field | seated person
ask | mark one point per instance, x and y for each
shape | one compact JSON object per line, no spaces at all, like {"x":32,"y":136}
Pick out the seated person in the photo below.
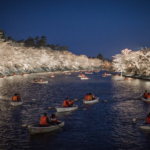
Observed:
{"x":93,"y":96}
{"x":53,"y":119}
{"x":40,"y":80}
{"x":66,"y":103}
{"x":145,"y":94}
{"x":44,"y":121}
{"x":148,"y":119}
{"x":148,"y":95}
{"x":71,"y":103}
{"x":18,"y":97}
{"x":86,"y":97}
{"x":15,"y":98}
{"x":34,"y":80}
{"x":90,"y":96}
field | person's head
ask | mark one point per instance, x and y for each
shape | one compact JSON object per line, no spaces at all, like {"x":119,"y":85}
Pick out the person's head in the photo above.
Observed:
{"x":15,"y":94}
{"x":92,"y":93}
{"x":67,"y":99}
{"x":145,"y":90}
{"x":71,"y":99}
{"x":89,"y":93}
{"x":45,"y":114}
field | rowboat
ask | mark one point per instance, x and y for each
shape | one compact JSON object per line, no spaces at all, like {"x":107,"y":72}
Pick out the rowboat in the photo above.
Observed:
{"x":64,"y":109}
{"x":43,"y":82}
{"x":144,"y":99}
{"x":68,"y":73}
{"x":37,"y":129}
{"x":90,"y":101}
{"x":84,"y":78}
{"x":108,"y":74}
{"x":88,"y":73}
{"x":79,"y":76}
{"x":145,"y":126}
{"x":103,"y":75}
{"x":16,"y":103}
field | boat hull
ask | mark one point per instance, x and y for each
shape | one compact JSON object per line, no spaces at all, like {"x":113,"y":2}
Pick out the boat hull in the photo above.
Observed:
{"x":65,"y":109}
{"x":38,"y":130}
{"x":144,"y":126}
{"x":44,"y":82}
{"x":91,"y":101}
{"x":84,"y":78}
{"x":145,"y":100}
{"x":17,"y":103}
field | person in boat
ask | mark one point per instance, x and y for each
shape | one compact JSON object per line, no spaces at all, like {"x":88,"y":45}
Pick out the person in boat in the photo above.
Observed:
{"x":53,"y":119}
{"x":90,"y":96}
{"x":86,"y":97}
{"x":44,"y":121}
{"x":93,"y":96}
{"x":40,"y":80}
{"x":15,"y":98}
{"x":145,"y":94}
{"x":66,"y":103}
{"x":148,"y":95}
{"x":18,"y":97}
{"x":148,"y":119}
{"x":71,"y":103}
{"x":34,"y":80}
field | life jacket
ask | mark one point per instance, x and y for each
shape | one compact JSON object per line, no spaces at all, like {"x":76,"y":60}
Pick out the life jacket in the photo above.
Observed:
{"x":145,"y":95}
{"x":43,"y":120}
{"x":148,"y":95}
{"x":90,"y":97}
{"x":14,"y":98}
{"x":18,"y":97}
{"x":40,"y":80}
{"x":65,"y":103}
{"x":56,"y":119}
{"x":86,"y":97}
{"x":148,"y":120}
{"x":71,"y":102}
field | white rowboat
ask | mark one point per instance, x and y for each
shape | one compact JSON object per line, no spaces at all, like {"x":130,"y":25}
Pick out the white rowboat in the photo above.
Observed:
{"x":43,"y":82}
{"x":36,"y":129}
{"x":16,"y":103}
{"x":79,"y":76}
{"x":84,"y":78}
{"x":145,"y":126}
{"x":64,"y":109}
{"x":144,"y":99}
{"x":90,"y":101}
{"x":88,"y":73}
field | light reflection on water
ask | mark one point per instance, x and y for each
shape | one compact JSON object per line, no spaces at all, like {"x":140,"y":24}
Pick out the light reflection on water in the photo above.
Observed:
{"x":100,"y":126}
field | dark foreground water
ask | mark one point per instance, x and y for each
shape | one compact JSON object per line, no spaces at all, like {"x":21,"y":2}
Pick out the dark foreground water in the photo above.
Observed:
{"x":101,"y":126}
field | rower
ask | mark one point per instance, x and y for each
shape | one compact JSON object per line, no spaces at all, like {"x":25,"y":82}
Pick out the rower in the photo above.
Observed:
{"x":90,"y":96}
{"x":34,"y":80}
{"x":53,"y":119}
{"x":93,"y":96}
{"x":71,"y":103}
{"x":66,"y":103}
{"x":145,"y":94}
{"x":15,"y":97}
{"x":40,"y":80}
{"x":44,"y":121}
{"x":148,"y":119}
{"x":86,"y":97}
{"x":18,"y":97}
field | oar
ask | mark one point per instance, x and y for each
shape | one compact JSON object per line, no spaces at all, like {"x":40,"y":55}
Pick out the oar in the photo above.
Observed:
{"x":134,"y":119}
{"x":26,"y":125}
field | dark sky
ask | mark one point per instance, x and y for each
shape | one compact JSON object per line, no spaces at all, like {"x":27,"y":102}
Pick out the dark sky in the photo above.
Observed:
{"x":87,"y":27}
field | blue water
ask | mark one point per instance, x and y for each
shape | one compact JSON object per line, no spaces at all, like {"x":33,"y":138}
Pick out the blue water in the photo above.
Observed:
{"x":97,"y":126}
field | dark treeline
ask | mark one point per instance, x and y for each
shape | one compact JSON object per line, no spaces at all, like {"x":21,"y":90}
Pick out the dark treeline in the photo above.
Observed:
{"x":34,"y":42}
{"x":100,"y":56}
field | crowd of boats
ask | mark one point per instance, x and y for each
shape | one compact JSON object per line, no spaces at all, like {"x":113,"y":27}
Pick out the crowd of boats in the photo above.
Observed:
{"x":53,"y":124}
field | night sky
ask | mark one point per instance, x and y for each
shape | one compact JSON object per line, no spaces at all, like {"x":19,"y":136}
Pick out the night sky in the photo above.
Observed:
{"x":87,"y":27}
